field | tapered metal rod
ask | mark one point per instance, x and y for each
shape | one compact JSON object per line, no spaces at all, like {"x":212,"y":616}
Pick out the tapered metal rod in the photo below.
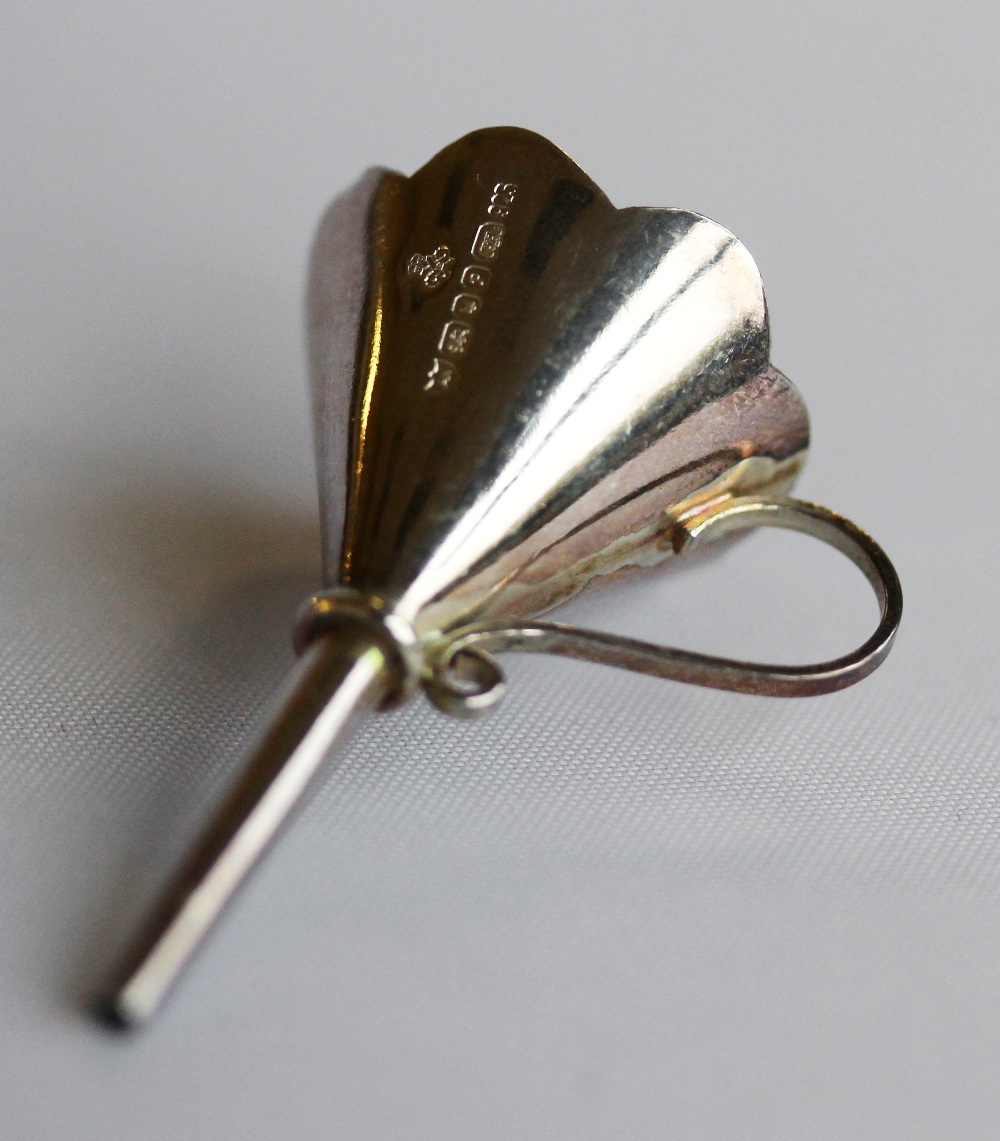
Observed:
{"x":340,"y":676}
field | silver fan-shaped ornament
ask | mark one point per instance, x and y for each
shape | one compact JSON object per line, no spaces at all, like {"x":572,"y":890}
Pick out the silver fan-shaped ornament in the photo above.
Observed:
{"x":518,"y":389}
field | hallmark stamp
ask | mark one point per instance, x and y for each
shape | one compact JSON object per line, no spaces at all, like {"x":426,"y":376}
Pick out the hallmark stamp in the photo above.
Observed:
{"x":431,"y":270}
{"x":476,"y":277}
{"x":488,"y":240}
{"x":466,"y":304}
{"x":455,"y":338}
{"x":502,"y":199}
{"x":440,"y":374}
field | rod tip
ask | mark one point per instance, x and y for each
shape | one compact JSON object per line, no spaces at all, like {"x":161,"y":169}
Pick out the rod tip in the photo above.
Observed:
{"x":112,"y":1012}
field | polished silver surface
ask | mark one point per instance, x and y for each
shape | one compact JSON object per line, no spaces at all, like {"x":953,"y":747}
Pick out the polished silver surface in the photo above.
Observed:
{"x":526,"y":418}
{"x":337,"y":678}
{"x":519,"y":390}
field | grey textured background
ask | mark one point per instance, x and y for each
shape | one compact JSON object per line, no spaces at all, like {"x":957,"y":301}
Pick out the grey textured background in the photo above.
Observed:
{"x":620,"y":908}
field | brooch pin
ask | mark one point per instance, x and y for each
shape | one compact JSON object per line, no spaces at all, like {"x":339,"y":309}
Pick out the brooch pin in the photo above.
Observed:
{"x":518,"y":389}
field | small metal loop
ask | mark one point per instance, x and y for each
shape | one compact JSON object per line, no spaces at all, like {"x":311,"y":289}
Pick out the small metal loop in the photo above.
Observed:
{"x":330,"y":610}
{"x":466,"y":682}
{"x":703,"y":669}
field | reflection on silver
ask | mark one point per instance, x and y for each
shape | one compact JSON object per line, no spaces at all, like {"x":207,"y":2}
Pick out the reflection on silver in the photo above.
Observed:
{"x":518,"y":390}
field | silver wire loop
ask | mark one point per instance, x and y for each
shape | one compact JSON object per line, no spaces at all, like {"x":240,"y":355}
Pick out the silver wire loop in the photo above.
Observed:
{"x":732,"y":514}
{"x":466,"y":683}
{"x":330,"y":610}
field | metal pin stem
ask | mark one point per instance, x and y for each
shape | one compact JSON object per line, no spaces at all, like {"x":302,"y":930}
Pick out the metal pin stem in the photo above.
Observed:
{"x":340,"y":676}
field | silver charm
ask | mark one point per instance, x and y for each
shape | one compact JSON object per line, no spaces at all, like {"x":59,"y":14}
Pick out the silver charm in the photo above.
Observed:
{"x":519,"y":389}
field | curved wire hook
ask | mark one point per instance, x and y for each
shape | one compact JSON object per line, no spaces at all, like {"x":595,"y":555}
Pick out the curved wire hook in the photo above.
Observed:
{"x":466,"y":681}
